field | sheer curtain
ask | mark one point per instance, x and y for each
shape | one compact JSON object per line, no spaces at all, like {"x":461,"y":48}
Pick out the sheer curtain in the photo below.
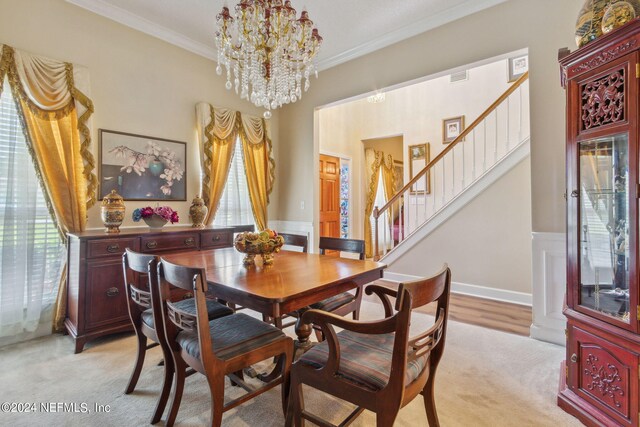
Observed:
{"x":30,"y":247}
{"x":384,"y":233}
{"x":235,"y":205}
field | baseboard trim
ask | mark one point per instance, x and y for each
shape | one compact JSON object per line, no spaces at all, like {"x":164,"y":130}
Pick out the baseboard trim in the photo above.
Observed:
{"x":494,"y":294}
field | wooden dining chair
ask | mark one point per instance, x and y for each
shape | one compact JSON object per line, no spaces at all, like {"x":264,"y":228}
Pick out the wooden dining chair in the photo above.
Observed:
{"x":376,"y":365}
{"x":217,"y":348}
{"x":346,"y":302}
{"x":241,"y":228}
{"x":145,"y":314}
{"x":299,"y":241}
{"x":296,"y":240}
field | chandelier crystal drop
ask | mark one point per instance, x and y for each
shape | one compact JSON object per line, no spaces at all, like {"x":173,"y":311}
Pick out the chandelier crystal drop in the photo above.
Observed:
{"x":266,"y":52}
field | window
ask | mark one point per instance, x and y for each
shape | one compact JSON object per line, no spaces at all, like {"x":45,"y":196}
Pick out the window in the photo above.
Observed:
{"x":235,"y":205}
{"x":30,"y":248}
{"x":344,"y":198}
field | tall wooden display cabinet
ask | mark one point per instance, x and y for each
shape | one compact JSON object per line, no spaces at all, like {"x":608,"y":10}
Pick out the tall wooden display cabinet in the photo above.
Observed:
{"x":599,"y":383}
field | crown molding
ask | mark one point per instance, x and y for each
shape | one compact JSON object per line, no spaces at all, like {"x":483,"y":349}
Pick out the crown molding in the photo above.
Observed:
{"x":141,"y":24}
{"x":467,"y":8}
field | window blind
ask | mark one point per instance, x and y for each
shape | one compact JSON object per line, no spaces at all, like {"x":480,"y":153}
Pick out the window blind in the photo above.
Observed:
{"x":30,"y":248}
{"x":235,"y":205}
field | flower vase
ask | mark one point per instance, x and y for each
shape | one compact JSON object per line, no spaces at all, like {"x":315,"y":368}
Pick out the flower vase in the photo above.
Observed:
{"x":156,"y":167}
{"x":155,"y":222}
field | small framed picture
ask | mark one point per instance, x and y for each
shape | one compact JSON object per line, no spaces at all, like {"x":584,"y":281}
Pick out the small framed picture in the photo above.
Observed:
{"x":518,"y":65}
{"x":142,"y":167}
{"x":419,"y":157}
{"x":452,"y":128}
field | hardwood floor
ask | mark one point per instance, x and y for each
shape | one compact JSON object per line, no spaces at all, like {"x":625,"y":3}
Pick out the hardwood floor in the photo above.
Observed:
{"x":502,"y":316}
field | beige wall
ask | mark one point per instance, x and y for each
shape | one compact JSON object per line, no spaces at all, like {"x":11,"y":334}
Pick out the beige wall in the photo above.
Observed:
{"x":416,"y":112}
{"x":487,"y":243}
{"x":542,"y":26}
{"x":139,"y":84}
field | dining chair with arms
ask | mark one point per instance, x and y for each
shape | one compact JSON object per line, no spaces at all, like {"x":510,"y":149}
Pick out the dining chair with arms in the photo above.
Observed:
{"x":217,"y":348}
{"x":376,"y":365}
{"x":144,"y":311}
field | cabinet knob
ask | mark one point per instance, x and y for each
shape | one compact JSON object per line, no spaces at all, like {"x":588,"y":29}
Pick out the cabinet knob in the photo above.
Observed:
{"x":216,"y":238}
{"x":152,"y":245}
{"x":575,"y":194}
{"x":189,"y":242}
{"x":113,"y":248}
{"x":112,"y":292}
{"x":574,"y":358}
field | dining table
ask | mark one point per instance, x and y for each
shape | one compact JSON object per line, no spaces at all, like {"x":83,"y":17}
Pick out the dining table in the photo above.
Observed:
{"x":291,"y":284}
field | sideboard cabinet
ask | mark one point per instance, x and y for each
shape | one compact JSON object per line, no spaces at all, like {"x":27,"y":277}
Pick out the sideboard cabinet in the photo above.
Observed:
{"x":599,"y":383}
{"x":96,"y":299}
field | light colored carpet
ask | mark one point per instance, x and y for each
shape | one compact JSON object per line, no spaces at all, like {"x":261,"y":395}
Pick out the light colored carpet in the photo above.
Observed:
{"x":486,"y":378}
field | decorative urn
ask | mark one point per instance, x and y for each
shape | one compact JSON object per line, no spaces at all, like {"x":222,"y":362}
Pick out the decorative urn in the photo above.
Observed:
{"x":112,"y":212}
{"x":618,"y":14}
{"x":264,"y":243}
{"x":198,"y":212}
{"x":589,"y":23}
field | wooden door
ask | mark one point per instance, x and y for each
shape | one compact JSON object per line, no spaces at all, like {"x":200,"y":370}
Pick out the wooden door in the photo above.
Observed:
{"x":329,"y":196}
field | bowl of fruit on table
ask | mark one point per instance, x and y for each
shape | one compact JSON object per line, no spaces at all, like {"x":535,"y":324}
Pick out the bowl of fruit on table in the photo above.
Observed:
{"x":264,"y":243}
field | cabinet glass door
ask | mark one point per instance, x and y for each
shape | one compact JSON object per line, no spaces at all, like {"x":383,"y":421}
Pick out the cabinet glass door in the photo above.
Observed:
{"x":604,"y":225}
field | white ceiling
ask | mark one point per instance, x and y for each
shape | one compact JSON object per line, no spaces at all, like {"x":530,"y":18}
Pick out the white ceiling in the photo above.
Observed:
{"x":350,"y":28}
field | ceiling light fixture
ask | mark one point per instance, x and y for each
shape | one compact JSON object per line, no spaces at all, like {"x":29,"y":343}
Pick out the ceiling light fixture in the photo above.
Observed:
{"x":269,"y":51}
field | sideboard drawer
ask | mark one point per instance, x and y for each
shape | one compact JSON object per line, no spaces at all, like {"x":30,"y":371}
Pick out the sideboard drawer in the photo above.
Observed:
{"x":170,"y":242}
{"x":110,"y":247}
{"x":215,"y":239}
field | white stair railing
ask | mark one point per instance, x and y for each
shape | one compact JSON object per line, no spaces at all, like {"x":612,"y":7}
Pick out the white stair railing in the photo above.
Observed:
{"x":498,"y":131}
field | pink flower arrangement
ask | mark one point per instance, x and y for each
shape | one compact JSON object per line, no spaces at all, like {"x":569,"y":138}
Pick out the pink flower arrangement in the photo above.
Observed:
{"x":164,"y":212}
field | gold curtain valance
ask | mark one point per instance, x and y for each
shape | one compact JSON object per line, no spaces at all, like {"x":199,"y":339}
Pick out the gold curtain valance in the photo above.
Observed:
{"x":218,"y":130}
{"x":47,"y":88}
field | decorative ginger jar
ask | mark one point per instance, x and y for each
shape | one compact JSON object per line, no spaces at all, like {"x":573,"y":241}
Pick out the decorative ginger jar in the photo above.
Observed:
{"x":198,"y":212}
{"x":112,"y":212}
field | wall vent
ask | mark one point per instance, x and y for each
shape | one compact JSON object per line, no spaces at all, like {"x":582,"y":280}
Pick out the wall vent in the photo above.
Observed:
{"x":459,"y":76}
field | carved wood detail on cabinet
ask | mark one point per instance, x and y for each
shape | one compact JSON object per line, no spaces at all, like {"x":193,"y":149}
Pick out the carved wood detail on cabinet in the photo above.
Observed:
{"x":603,"y":100}
{"x":96,"y":300}
{"x":605,"y":56}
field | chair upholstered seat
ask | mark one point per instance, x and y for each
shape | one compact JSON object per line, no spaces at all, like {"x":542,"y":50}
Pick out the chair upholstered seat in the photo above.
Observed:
{"x":214,"y":308}
{"x":334,"y":302}
{"x":364,"y":359}
{"x":231,"y":336}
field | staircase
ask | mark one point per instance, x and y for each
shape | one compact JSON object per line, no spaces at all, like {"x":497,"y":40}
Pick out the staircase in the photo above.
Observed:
{"x":494,"y":143}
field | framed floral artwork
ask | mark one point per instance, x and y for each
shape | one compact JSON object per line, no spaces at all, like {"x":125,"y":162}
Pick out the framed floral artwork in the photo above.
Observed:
{"x":419,"y":157}
{"x":142,"y":167}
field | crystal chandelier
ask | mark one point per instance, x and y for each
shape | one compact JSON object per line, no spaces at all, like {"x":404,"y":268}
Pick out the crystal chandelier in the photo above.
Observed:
{"x":269,"y":51}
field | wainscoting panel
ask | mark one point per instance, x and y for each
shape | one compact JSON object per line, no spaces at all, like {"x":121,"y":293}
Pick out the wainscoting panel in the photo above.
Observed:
{"x":548,"y":286}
